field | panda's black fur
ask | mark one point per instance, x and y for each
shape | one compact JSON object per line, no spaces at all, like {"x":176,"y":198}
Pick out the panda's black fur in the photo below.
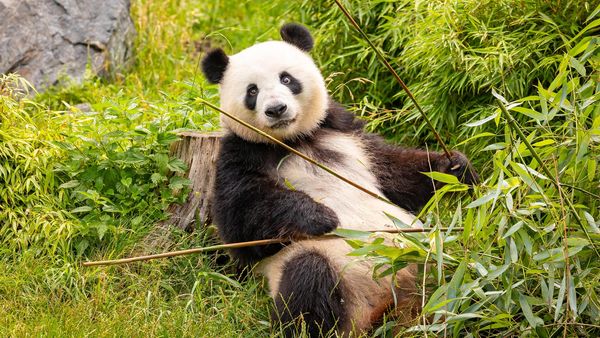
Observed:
{"x":251,"y":202}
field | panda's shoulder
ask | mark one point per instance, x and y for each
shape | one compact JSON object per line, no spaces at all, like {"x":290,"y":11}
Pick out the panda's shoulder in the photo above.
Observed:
{"x":339,"y":118}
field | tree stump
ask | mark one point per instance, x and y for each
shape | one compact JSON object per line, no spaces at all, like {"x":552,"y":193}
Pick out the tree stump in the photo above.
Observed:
{"x":199,"y":151}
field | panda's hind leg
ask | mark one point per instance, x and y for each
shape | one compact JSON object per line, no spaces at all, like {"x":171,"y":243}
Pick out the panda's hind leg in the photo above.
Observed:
{"x":309,"y":291}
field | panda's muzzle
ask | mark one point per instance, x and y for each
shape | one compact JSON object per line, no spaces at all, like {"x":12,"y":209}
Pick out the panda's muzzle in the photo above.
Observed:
{"x":275,"y":111}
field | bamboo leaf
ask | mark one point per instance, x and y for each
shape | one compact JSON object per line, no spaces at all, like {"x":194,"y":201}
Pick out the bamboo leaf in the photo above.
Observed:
{"x":533,"y":320}
{"x":442,"y":177}
{"x":492,"y":195}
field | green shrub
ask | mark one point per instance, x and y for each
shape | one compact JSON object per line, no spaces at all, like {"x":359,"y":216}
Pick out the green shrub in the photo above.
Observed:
{"x":118,"y":171}
{"x":72,"y":179}
{"x":32,"y":210}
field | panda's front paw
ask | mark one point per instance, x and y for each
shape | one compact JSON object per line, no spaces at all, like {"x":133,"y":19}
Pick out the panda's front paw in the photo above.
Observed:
{"x":325,"y":221}
{"x":459,"y":166}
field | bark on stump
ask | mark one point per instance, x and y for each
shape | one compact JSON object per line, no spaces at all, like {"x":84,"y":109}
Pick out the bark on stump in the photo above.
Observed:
{"x":199,"y":151}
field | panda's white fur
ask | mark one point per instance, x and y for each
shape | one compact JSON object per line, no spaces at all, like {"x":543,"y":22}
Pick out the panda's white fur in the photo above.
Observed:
{"x":261,"y":191}
{"x":261,"y":64}
{"x":355,"y":209}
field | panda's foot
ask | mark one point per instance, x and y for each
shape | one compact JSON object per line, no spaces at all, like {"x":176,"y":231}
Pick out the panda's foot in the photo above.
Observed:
{"x":309,"y":294}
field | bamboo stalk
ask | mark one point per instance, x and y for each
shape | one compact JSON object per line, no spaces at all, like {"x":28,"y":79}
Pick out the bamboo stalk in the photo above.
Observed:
{"x":397,"y":77}
{"x":236,"y":246}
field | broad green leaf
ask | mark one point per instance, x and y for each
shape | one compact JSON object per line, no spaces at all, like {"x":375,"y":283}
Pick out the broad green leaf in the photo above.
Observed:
{"x":101,"y":229}
{"x":84,"y":208}
{"x":495,"y":146}
{"x":156,"y":178}
{"x":492,"y":195}
{"x":435,"y":300}
{"x":82,"y":246}
{"x":367,"y":249}
{"x":442,"y":177}
{"x":177,"y":182}
{"x":70,"y":184}
{"x":463,"y":316}
{"x":513,"y":229}
{"x":544,"y":143}
{"x":514,"y":254}
{"x":572,"y":296}
{"x":580,"y":47}
{"x":531,"y":113}
{"x":533,"y":320}
{"x":484,"y":134}
{"x":560,"y":298}
{"x":456,"y":281}
{"x":578,"y":66}
{"x":497,"y":272}
{"x":577,"y":241}
{"x":529,"y":170}
{"x":591,"y":169}
{"x":591,"y":222}
{"x":482,"y":121}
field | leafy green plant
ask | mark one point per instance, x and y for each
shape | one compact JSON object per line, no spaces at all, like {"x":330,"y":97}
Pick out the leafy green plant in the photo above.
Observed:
{"x":32,"y":212}
{"x":450,"y":54}
{"x":528,"y":260}
{"x":72,"y":178}
{"x":118,"y":169}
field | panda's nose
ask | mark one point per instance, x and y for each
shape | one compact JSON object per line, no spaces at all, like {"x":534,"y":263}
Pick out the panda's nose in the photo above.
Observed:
{"x":276,"y":110}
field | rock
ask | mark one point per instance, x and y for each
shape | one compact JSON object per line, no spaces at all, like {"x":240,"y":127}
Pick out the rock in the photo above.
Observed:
{"x":46,"y":40}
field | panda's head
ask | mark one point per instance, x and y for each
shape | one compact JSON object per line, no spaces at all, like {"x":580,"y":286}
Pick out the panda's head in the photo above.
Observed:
{"x":273,"y":85}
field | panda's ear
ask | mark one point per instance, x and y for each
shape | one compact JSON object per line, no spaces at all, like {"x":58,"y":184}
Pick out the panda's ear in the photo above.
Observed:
{"x":214,"y":65}
{"x":297,"y":35}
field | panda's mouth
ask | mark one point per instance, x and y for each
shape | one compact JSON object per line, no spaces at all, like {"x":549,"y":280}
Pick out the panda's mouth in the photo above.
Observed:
{"x":282,"y":124}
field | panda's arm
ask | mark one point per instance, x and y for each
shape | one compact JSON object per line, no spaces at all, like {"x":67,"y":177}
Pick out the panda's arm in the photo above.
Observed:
{"x":399,"y":171}
{"x":249,"y":203}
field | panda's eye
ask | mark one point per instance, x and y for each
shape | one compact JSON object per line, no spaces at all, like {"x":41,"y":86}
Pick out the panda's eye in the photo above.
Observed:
{"x":291,"y":82}
{"x":252,"y":90}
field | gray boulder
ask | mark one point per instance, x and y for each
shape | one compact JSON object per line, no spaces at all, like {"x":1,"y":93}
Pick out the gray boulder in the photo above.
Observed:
{"x":46,"y":41}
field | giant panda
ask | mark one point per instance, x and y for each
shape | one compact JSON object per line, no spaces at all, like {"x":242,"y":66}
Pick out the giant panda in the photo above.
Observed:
{"x":262,"y":191}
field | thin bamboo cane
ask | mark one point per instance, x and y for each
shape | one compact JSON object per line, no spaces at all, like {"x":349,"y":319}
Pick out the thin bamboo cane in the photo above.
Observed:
{"x":397,"y":77}
{"x":236,"y":246}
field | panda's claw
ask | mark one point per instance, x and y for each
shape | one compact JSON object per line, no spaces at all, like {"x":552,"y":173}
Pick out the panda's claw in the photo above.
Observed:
{"x":459,"y":166}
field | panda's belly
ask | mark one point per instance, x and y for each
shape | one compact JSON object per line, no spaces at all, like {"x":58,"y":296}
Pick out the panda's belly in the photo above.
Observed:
{"x":355,"y":209}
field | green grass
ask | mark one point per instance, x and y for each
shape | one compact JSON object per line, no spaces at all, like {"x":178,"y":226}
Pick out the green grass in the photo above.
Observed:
{"x":91,"y":185}
{"x":182,"y":298}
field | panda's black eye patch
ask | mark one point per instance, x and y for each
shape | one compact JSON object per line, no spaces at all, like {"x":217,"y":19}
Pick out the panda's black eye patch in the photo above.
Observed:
{"x":251,"y":95}
{"x":291,"y":82}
